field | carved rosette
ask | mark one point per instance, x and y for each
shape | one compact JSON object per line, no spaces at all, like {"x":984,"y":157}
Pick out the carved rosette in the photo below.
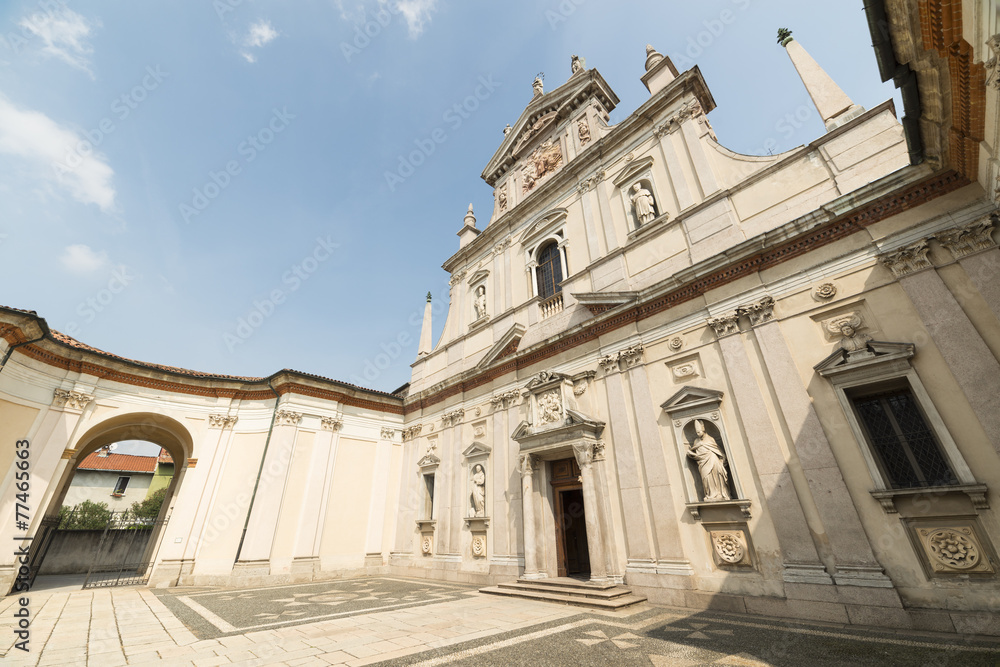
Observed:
{"x":969,"y":239}
{"x":759,"y":312}
{"x":388,"y":433}
{"x":729,"y":546}
{"x":331,"y":423}
{"x":479,"y":546}
{"x":505,"y":399}
{"x":726,"y":325}
{"x":908,"y":259}
{"x":676,"y":343}
{"x":953,"y":548}
{"x":287,"y":417}
{"x":825,"y":291}
{"x":72,"y":400}
{"x":221,"y":421}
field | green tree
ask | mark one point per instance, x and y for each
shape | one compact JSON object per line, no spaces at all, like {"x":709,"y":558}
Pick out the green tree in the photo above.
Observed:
{"x":149,"y":508}
{"x":88,"y":515}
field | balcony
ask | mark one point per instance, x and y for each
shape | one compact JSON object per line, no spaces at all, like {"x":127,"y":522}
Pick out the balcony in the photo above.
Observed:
{"x":552,"y":305}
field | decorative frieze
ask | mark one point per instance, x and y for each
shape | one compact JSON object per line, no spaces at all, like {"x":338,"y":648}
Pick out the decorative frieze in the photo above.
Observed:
{"x":221,"y":421}
{"x":411,"y":432}
{"x":72,"y":400}
{"x":908,"y":259}
{"x":969,"y":239}
{"x":505,"y":399}
{"x":287,"y":417}
{"x":388,"y":433}
{"x":452,"y":418}
{"x":726,"y":325}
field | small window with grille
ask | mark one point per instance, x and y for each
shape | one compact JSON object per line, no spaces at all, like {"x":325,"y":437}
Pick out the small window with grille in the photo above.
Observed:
{"x":907,"y":451}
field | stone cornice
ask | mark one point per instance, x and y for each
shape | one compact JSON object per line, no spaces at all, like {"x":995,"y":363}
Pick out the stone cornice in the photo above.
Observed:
{"x":835,"y":220}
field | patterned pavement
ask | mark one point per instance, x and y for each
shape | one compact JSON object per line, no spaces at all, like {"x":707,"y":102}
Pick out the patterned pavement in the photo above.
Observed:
{"x":395,"y":622}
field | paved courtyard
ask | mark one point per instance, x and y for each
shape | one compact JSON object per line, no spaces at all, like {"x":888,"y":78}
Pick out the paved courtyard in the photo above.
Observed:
{"x":395,"y":621}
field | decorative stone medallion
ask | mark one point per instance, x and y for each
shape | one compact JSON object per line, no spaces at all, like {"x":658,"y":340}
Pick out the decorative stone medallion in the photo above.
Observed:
{"x":675,"y":343}
{"x":550,"y":407}
{"x":952,"y":547}
{"x":825,"y":291}
{"x":426,"y":544}
{"x":729,"y":546}
{"x":479,"y":546}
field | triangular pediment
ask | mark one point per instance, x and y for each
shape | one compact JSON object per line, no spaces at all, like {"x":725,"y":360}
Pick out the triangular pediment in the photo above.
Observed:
{"x":545,"y":112}
{"x":598,"y":302}
{"x":692,"y":397}
{"x":477,"y":449}
{"x":481,"y":274}
{"x":505,"y":345}
{"x":428,"y":461}
{"x":881,"y":352}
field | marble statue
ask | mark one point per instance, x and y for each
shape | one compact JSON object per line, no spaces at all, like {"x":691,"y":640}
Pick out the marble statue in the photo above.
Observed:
{"x":479,"y":305}
{"x":642,"y":199}
{"x":537,"y":85}
{"x":578,"y":64}
{"x":477,"y":498}
{"x":707,"y":453}
{"x":507,"y":130}
{"x":549,"y":407}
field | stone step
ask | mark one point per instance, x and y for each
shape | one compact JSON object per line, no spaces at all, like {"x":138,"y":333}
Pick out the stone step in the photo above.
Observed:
{"x":577,"y":600}
{"x":600,"y":593}
{"x":568,"y":582}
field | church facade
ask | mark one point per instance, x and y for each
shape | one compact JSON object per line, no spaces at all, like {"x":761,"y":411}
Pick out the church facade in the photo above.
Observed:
{"x":755,"y":383}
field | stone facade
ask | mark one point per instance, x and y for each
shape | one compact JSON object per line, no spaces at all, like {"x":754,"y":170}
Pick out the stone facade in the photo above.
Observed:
{"x":664,"y":364}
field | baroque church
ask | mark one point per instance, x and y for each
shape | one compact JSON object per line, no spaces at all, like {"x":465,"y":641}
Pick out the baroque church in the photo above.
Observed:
{"x":669,"y":371}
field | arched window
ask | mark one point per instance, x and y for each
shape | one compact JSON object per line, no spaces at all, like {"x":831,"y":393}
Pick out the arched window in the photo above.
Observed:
{"x":549,"y":272}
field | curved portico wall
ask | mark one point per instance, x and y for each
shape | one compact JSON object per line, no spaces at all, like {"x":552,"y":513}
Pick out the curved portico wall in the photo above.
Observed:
{"x":265,"y":467}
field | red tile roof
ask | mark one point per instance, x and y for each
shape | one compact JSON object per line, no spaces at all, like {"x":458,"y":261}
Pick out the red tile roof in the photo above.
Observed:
{"x":164,"y":456}
{"x":119,"y":463}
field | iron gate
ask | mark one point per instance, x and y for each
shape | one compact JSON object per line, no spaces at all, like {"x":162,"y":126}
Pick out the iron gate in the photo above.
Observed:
{"x":125,"y":553}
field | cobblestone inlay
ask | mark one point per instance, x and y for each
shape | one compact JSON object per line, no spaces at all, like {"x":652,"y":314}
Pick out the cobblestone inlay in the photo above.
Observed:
{"x":211,"y":613}
{"x":658,"y":638}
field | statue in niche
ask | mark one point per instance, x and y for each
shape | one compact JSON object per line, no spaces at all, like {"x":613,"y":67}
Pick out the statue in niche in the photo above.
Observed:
{"x":645,"y":206}
{"x":583,"y":130}
{"x":479,"y":305}
{"x":854,"y":342}
{"x":711,"y":461}
{"x":477,"y":498}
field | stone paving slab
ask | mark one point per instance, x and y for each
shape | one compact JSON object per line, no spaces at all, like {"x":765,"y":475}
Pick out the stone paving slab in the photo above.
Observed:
{"x":445,"y":624}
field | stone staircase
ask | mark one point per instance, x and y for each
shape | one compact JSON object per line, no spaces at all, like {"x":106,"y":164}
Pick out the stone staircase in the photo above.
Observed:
{"x":565,"y":590}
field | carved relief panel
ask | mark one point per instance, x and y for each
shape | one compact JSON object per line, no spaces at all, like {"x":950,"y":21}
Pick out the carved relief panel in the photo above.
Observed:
{"x":952,"y":547}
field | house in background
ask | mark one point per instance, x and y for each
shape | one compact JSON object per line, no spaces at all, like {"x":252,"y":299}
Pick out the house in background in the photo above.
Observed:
{"x":116,"y":479}
{"x":163,"y":473}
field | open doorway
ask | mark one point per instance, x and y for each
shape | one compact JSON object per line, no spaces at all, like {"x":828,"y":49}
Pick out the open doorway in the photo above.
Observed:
{"x":572,"y":553}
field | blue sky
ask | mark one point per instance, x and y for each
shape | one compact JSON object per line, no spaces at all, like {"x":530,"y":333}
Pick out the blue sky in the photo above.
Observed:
{"x":167,"y":171}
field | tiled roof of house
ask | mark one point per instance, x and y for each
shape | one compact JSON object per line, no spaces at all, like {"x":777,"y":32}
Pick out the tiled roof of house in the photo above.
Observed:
{"x":164,"y":456}
{"x":118,"y":463}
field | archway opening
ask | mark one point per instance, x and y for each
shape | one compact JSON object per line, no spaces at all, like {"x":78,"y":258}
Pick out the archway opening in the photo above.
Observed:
{"x":103,"y":525}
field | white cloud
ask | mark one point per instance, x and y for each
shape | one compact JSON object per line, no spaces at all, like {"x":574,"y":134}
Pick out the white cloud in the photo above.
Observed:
{"x":58,"y":154}
{"x":416,"y":13}
{"x":260,"y":34}
{"x":65,"y":35}
{"x":81,"y":259}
